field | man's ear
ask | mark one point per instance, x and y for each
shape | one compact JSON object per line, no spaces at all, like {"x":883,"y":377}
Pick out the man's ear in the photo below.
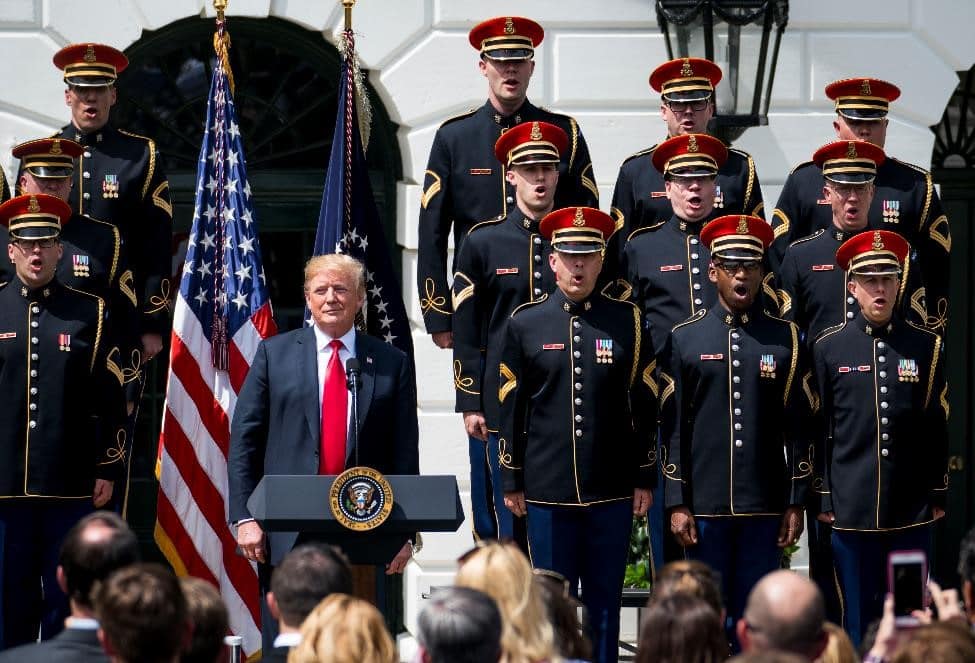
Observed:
{"x":106,"y":643}
{"x":62,"y":581}
{"x":741,"y":630}
{"x":272,"y":605}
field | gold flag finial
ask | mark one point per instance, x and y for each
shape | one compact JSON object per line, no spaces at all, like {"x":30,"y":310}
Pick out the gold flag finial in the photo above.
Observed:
{"x":348,"y":4}
{"x":220,"y":6}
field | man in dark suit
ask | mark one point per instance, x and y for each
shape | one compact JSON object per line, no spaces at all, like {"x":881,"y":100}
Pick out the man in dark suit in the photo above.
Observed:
{"x":99,"y":544}
{"x":295,"y":378}
{"x":305,"y":577}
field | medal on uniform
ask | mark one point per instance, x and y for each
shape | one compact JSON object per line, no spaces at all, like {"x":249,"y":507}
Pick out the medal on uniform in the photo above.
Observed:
{"x":907,"y":370}
{"x":892,"y":211}
{"x":110,"y":186}
{"x":64,"y":342}
{"x":604,"y":351}
{"x":766,"y":366}
{"x":718,"y":197}
{"x":82,"y":267}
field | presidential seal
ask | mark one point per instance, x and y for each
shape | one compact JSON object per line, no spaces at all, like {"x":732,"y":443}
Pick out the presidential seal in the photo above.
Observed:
{"x":361,"y":498}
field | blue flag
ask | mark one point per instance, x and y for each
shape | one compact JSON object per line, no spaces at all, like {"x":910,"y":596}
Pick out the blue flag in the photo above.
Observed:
{"x":349,"y":223}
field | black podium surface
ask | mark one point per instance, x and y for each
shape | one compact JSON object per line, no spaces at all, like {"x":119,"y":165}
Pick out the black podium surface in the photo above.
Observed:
{"x":300,"y":503}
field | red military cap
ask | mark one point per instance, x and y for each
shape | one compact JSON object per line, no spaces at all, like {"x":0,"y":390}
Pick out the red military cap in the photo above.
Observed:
{"x":737,"y":237}
{"x":690,"y":155}
{"x":849,"y":161}
{"x":507,"y":38}
{"x":873,"y":253}
{"x":686,"y":79}
{"x":90,"y":65}
{"x":531,"y":142}
{"x":48,"y":157}
{"x":862,"y":98}
{"x":577,"y":229}
{"x":34,"y":216}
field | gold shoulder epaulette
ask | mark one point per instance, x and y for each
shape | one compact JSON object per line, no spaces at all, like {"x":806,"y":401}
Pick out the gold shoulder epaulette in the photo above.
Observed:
{"x":652,"y":227}
{"x":459,"y":116}
{"x":529,"y":304}
{"x":487,"y":222}
{"x":804,"y":163}
{"x":808,"y":237}
{"x":694,"y":318}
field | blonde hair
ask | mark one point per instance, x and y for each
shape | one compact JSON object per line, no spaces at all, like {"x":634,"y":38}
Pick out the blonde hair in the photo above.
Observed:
{"x":344,"y":629}
{"x":839,"y":648}
{"x":501,"y":571}
{"x":339,"y":262}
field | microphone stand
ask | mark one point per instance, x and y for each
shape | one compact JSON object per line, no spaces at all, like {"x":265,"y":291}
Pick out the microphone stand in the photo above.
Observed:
{"x":352,"y":372}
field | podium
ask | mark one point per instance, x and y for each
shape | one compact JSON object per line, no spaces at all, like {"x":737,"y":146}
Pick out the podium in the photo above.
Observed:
{"x":300,"y":503}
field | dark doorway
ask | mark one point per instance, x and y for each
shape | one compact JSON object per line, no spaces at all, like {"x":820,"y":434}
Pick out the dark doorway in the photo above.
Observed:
{"x":953,"y":168}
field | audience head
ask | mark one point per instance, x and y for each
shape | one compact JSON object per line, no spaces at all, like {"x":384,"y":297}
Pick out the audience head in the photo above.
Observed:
{"x":344,"y":629}
{"x":306,"y":575}
{"x":97,"y":545}
{"x":501,"y":571}
{"x":459,"y":625}
{"x":564,"y":614}
{"x":690,"y":577}
{"x":210,"y":621}
{"x":839,"y":648}
{"x":142,"y":614}
{"x":681,"y":628}
{"x":768,"y":656}
{"x":966,"y":569}
{"x":785,"y":611}
{"x":943,"y":642}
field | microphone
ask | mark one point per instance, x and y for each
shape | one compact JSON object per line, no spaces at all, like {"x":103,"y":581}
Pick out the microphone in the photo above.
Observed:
{"x":352,"y":373}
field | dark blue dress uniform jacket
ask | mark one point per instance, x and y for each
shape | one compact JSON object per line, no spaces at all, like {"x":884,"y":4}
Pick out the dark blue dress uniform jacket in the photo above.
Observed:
{"x":577,"y":412}
{"x":905,"y":202}
{"x":735,"y":421}
{"x":640,"y":200}
{"x":61,"y":423}
{"x":464,"y":185}
{"x":812,"y":288}
{"x":882,"y":462}
{"x":666,"y":269}
{"x":119,"y":179}
{"x":502,"y":264}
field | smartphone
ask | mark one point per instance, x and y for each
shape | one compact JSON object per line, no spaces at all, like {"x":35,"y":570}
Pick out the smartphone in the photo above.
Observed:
{"x":907,"y":574}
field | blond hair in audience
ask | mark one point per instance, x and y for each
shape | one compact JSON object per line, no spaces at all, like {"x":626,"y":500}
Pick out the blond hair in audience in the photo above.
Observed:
{"x":344,"y":629}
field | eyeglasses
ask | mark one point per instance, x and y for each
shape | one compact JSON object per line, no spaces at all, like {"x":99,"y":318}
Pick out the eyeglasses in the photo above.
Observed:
{"x":682,"y":106}
{"x":731,"y":267}
{"x":27,"y":245}
{"x":685,"y":181}
{"x":846,"y":190}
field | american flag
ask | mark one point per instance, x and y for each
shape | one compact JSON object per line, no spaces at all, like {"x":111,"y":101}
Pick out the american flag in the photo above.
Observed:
{"x":349,"y":223}
{"x":222,"y":313}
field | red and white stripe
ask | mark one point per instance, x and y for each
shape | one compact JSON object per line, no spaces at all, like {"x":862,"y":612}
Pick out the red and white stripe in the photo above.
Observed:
{"x":192,"y":526}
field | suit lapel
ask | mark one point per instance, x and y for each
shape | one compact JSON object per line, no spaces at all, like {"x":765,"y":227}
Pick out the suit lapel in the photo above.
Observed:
{"x":367,"y":380}
{"x":307,"y":368}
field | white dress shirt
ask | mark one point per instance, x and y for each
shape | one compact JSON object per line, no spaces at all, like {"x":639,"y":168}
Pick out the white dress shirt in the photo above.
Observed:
{"x":324,"y":354}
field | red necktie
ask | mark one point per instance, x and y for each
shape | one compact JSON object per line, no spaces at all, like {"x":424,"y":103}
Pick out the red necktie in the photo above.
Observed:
{"x":335,"y":400}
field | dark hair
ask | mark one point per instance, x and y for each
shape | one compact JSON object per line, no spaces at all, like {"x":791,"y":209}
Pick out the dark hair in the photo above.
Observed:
{"x":681,"y":628}
{"x":210,"y":620}
{"x":966,"y":557}
{"x":460,"y":625}
{"x":142,"y":612}
{"x":689,"y":577}
{"x":944,"y":642}
{"x":86,"y":562}
{"x":306,"y":575}
{"x":563,"y":611}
